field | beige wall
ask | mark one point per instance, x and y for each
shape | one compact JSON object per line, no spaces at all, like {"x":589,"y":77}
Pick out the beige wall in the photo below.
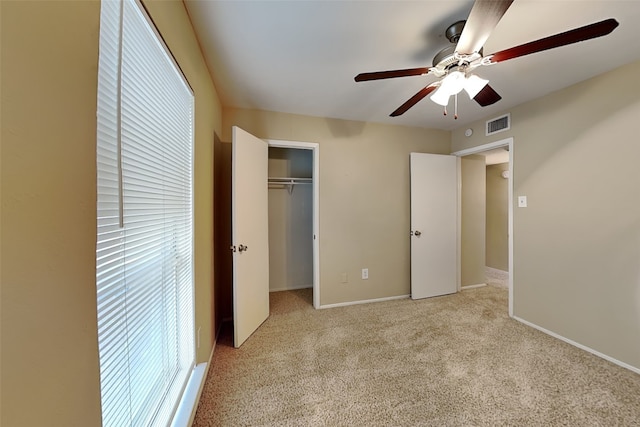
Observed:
{"x":364,"y":196}
{"x":473,"y":202}
{"x":50,"y":368}
{"x":290,"y":221}
{"x":577,"y":244}
{"x":50,"y":371}
{"x":497,"y":244}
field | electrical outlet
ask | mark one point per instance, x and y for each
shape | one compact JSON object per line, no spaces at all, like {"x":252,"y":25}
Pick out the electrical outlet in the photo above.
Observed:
{"x":344,"y":278}
{"x":365,"y":273}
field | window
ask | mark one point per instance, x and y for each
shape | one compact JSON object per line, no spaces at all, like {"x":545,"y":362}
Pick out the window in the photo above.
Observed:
{"x":144,"y":253}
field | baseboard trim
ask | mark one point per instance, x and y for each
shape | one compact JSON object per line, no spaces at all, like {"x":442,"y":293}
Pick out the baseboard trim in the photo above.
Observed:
{"x":479,"y":285}
{"x":366,"y":301}
{"x":291,"y":288}
{"x":580,"y":346}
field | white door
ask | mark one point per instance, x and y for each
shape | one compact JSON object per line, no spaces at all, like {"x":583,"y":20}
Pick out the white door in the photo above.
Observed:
{"x":434,"y":225}
{"x":250,"y":230}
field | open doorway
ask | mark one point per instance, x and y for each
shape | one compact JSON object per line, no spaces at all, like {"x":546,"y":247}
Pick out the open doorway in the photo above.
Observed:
{"x":222,"y":223}
{"x":486,"y":154}
{"x":293,"y":217}
{"x":497,"y":218}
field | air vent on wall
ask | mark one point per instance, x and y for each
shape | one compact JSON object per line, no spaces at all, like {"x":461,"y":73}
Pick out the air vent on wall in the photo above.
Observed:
{"x":498,"y":124}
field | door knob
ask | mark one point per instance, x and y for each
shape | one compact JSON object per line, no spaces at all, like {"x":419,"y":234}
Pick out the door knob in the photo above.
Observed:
{"x":417,"y":233}
{"x":242,"y":248}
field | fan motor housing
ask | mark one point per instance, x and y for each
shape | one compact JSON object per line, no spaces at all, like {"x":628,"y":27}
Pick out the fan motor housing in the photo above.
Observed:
{"x":454,"y":31}
{"x":445,"y":57}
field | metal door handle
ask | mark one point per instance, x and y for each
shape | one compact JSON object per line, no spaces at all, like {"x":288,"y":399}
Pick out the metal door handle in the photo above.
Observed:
{"x":233,"y":248}
{"x":243,"y":248}
{"x":417,"y":233}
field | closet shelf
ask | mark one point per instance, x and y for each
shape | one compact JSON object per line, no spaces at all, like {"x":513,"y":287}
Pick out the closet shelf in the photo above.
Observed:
{"x":289,"y":182}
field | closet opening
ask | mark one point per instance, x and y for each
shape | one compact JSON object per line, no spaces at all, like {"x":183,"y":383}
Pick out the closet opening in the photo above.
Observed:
{"x":293,"y":208}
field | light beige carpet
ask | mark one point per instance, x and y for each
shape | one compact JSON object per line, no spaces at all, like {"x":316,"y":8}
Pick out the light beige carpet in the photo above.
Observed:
{"x":456,"y":360}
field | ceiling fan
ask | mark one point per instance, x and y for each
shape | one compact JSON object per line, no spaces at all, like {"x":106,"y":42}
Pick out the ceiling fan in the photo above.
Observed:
{"x":454,"y":65}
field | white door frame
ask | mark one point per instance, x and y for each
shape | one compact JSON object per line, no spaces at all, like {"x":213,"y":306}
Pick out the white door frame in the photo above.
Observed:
{"x":508,"y":142}
{"x":315,"y":148}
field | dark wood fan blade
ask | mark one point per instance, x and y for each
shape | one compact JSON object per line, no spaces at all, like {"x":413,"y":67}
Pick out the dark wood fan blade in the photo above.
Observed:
{"x":378,"y":75}
{"x":587,"y":32}
{"x":414,"y":99}
{"x":483,"y":18}
{"x":487,"y":96}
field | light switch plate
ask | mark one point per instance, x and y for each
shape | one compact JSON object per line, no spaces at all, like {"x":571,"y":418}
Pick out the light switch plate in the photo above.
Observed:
{"x":522,"y":201}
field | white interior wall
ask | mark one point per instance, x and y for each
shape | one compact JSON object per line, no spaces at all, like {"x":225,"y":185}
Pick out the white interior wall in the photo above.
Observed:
{"x":497,"y":235}
{"x":575,"y":267}
{"x":473,"y":226}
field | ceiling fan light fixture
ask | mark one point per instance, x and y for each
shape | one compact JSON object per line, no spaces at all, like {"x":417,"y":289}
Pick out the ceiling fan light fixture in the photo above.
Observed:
{"x":452,"y":84}
{"x":440,"y":97}
{"x":474,"y":84}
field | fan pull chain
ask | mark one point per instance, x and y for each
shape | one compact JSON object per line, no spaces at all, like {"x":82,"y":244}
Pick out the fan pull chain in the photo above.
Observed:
{"x":455,"y":103}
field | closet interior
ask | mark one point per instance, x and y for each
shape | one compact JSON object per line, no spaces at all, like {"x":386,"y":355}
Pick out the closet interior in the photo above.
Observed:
{"x":290,"y":219}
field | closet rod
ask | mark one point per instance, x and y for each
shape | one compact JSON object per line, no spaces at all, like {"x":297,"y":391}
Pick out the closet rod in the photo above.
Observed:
{"x":289,"y":182}
{"x":274,"y":180}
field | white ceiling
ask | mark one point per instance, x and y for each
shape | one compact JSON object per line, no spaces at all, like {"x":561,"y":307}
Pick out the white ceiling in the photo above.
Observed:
{"x":302,"y":56}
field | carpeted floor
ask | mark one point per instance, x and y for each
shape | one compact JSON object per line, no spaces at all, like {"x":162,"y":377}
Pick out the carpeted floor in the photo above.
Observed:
{"x":456,"y":360}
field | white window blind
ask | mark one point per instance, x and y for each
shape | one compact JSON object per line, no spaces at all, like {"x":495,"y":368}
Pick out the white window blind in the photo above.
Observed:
{"x":144,"y":247}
